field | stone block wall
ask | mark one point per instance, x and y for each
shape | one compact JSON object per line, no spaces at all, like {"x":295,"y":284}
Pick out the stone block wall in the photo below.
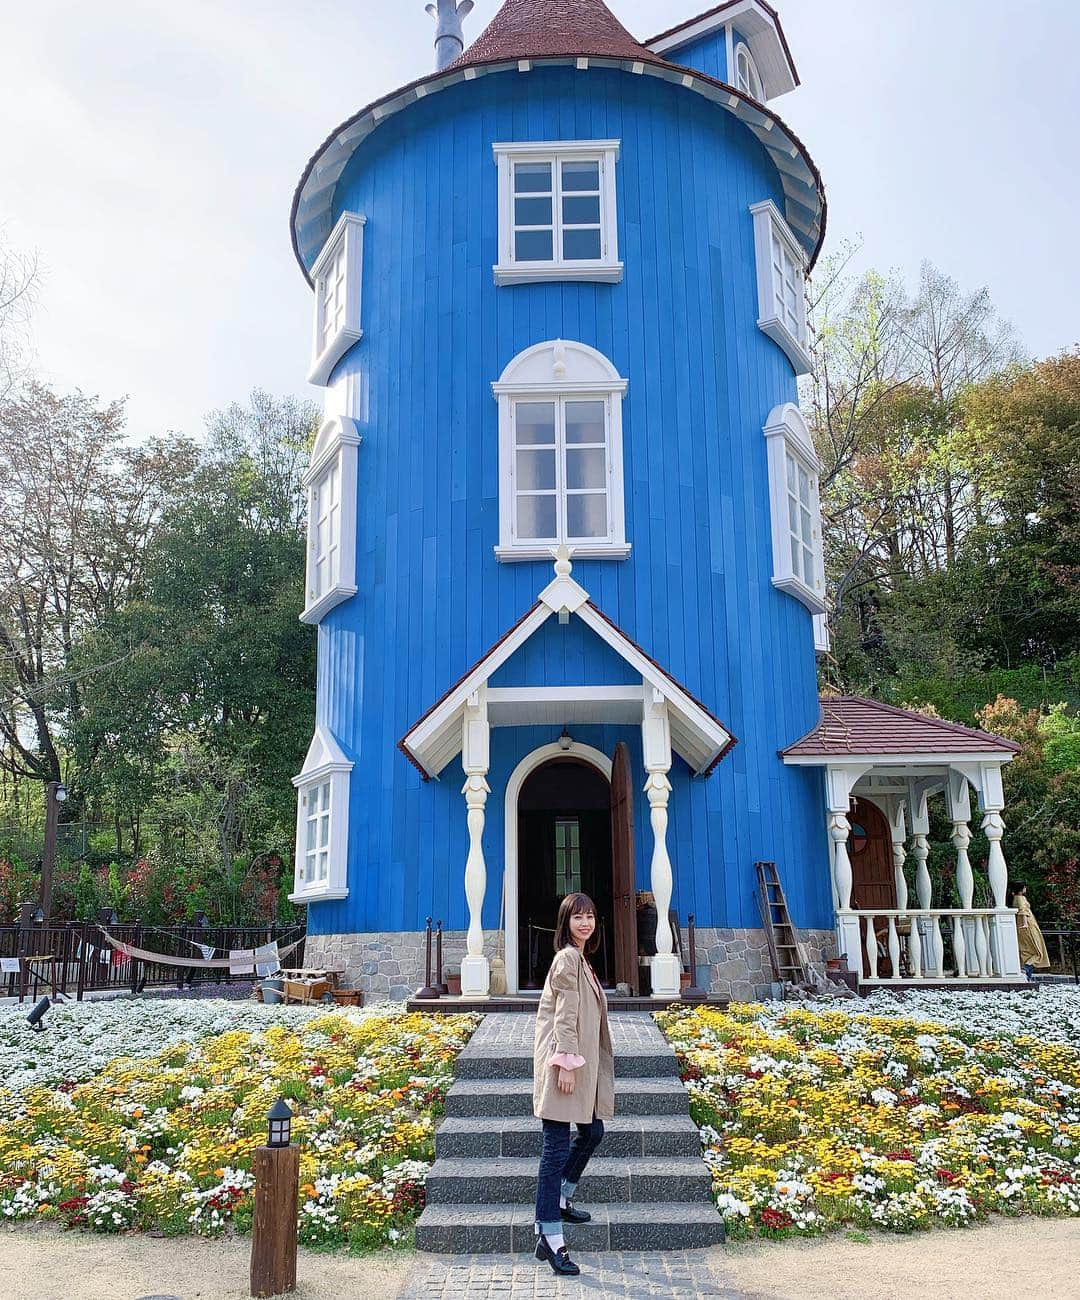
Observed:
{"x":736,"y":962}
{"x":389,"y":965}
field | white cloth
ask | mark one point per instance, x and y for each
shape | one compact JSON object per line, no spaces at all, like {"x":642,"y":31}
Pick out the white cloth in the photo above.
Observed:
{"x":267,"y":960}
{"x":241,"y":961}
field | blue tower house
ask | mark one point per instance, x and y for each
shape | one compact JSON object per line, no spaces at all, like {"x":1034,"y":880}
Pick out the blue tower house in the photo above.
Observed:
{"x":565,"y":548}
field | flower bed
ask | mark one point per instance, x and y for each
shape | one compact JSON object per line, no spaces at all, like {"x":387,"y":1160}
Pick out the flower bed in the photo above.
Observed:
{"x":816,"y":1118}
{"x":162,"y":1139}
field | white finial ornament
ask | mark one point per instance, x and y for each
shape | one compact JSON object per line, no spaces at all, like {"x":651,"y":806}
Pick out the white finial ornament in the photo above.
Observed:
{"x":563,"y":567}
{"x":449,"y":38}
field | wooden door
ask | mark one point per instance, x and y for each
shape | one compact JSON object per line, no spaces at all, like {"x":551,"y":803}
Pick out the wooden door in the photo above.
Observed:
{"x":622,"y":860}
{"x":873,"y":879}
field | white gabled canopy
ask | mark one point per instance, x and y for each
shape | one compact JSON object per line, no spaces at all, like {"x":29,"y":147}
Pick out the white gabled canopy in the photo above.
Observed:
{"x":437,"y":738}
{"x":324,"y":757}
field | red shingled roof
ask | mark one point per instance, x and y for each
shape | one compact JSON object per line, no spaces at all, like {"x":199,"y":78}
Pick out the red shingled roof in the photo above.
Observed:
{"x":852,"y":725}
{"x":534,"y":29}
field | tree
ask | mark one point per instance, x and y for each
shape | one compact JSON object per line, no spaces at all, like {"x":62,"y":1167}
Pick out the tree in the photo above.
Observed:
{"x":80,"y":506}
{"x":214,"y":670}
{"x":20,"y":278}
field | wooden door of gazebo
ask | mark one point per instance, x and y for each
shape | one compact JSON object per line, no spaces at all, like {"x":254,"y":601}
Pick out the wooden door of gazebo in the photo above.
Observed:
{"x":873,"y":880}
{"x":622,"y":863}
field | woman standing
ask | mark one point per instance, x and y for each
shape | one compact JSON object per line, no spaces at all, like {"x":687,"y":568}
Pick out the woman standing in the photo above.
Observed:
{"x":1033,"y":952}
{"x":573,"y":1076}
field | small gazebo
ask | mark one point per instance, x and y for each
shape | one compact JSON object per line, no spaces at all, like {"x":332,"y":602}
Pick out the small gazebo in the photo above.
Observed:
{"x":882,"y":765}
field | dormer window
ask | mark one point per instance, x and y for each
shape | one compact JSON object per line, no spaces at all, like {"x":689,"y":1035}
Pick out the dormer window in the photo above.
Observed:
{"x":795,"y":508}
{"x":557,"y":212}
{"x":337,"y":278}
{"x":781,"y":277}
{"x":322,"y":821}
{"x":560,"y":454}
{"x":746,"y":73}
{"x":331,"y":487}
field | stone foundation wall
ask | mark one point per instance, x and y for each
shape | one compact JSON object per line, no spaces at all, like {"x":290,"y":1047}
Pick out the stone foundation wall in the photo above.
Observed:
{"x":389,"y":965}
{"x":736,"y":962}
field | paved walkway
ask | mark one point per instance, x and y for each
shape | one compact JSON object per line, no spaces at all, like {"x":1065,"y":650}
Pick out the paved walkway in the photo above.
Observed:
{"x":610,"y":1275}
{"x":501,"y":1048}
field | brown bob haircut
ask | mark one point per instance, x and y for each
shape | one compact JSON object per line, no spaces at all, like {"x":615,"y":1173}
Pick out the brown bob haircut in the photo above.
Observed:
{"x":574,"y":905}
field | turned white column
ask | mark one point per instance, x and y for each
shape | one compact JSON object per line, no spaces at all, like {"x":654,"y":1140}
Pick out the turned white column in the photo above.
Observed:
{"x":959,"y":808}
{"x":839,"y":783}
{"x":475,"y":750}
{"x":918,"y":815}
{"x":895,"y":807}
{"x":656,"y":745}
{"x":1004,"y":947}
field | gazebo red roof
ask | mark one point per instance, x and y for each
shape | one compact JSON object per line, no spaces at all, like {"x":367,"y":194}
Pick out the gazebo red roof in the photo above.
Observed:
{"x":853,"y":725}
{"x":535,"y":29}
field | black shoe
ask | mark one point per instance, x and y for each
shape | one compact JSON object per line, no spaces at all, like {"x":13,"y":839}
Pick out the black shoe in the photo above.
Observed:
{"x":559,"y":1260}
{"x":570,"y":1215}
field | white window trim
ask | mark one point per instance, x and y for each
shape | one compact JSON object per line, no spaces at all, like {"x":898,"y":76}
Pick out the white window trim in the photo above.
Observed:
{"x":350,"y":230}
{"x":786,"y":434}
{"x":336,"y":445}
{"x":607,"y":269}
{"x":757,"y":92}
{"x":325,"y":762}
{"x":822,"y":635}
{"x":767,"y":220}
{"x":573,"y":374}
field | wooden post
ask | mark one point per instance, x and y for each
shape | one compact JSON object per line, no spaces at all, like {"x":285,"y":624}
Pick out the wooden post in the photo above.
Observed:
{"x":273,"y":1232}
{"x":440,"y":983}
{"x":693,"y":993}
{"x":26,"y":920}
{"x":429,"y":990}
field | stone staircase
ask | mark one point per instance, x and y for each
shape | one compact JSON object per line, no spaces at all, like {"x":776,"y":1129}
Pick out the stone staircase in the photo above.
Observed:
{"x":647,"y":1188}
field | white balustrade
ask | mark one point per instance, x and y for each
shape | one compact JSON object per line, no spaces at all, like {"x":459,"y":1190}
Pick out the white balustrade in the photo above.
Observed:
{"x":973,"y":930}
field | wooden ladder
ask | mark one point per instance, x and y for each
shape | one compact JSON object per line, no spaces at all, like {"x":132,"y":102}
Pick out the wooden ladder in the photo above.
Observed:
{"x":787,"y":962}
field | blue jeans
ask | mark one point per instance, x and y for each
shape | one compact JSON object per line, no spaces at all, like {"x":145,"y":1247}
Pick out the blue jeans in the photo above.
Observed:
{"x":561,"y":1168}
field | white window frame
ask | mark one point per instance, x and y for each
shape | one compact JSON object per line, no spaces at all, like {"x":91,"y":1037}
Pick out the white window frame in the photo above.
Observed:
{"x":791,"y":336}
{"x":559,"y":371}
{"x":787,"y":435}
{"x":750,"y":84}
{"x":325,"y":767}
{"x":607,"y":268}
{"x":822,"y":636}
{"x":338,"y":279}
{"x":335,"y":452}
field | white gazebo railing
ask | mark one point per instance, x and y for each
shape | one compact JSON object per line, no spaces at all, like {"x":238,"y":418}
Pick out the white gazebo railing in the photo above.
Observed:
{"x":911,"y":944}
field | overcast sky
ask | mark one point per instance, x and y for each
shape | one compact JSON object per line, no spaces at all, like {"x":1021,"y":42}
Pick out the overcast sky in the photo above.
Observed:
{"x":149,"y":150}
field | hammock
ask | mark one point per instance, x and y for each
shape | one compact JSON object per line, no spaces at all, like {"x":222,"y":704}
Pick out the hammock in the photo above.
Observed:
{"x":247,"y":957}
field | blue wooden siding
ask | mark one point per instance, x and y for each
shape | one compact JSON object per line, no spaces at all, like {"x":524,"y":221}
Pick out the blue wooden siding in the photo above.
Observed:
{"x":707,"y":54}
{"x":695,"y":592}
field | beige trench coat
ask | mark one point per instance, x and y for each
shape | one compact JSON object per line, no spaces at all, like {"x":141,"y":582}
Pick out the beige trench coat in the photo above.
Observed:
{"x":573,"y":1018}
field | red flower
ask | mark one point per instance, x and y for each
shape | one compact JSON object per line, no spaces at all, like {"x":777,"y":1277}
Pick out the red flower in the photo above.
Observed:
{"x":945,"y":1175}
{"x":905,"y":1154}
{"x":776,"y":1219}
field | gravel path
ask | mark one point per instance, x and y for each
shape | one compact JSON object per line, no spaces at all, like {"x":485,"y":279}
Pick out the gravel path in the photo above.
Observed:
{"x":1003,"y":1260}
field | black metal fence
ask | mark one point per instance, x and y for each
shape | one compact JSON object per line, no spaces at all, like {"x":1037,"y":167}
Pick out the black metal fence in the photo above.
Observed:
{"x":74,"y":957}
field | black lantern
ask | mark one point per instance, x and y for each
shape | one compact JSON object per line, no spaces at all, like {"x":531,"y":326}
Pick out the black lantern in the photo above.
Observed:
{"x":39,"y":915}
{"x":279,"y":1122}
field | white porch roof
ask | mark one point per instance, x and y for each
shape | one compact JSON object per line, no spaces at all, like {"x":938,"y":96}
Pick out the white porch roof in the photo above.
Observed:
{"x":437,"y":737}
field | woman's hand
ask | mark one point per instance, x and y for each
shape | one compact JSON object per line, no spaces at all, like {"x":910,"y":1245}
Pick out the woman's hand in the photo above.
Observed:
{"x":566,"y":1081}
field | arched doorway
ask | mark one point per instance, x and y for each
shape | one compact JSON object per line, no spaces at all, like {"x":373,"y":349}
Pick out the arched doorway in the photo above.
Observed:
{"x":873,"y":879}
{"x":564,"y":846}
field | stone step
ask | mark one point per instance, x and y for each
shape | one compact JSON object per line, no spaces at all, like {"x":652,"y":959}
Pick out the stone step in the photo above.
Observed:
{"x":484,"y":1137}
{"x":499,"y":1229}
{"x":502,"y":1096}
{"x":515,"y":1063}
{"x":512,"y":1180}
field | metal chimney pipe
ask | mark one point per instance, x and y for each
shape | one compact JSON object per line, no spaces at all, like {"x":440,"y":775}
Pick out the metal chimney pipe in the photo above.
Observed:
{"x":449,"y":38}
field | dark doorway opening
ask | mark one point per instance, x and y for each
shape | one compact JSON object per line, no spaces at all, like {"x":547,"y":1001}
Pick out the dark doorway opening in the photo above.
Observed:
{"x":564,"y":846}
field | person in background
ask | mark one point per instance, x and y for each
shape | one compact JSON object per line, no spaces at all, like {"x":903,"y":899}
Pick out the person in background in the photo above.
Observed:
{"x":1033,"y":952}
{"x":573,"y":1077}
